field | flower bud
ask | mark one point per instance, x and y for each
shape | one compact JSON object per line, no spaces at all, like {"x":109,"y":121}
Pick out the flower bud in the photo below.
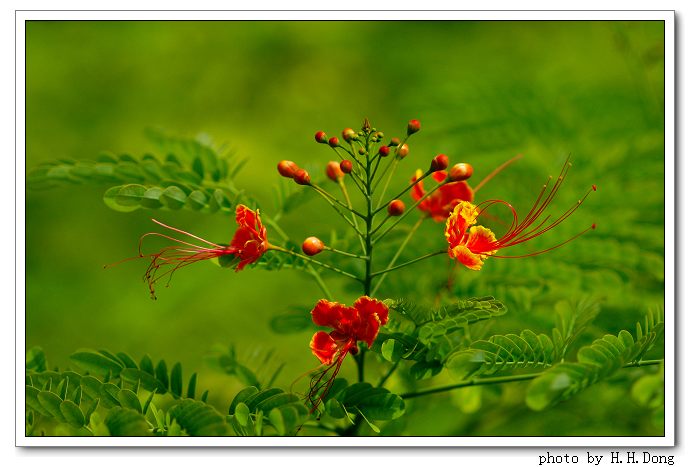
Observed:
{"x":302,"y":177}
{"x":349,"y":134}
{"x":333,"y":171}
{"x":460,"y":171}
{"x":312,"y":246}
{"x":396,"y":207}
{"x":346,"y":166}
{"x":321,"y":137}
{"x":334,"y":142}
{"x":384,"y":151}
{"x":361,"y":151}
{"x":287,"y":168}
{"x":394,"y":142}
{"x":439,"y":162}
{"x":403,"y":151}
{"x":413,"y":126}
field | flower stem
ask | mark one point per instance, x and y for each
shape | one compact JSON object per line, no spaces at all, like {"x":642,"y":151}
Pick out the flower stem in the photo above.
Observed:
{"x":504,"y":379}
{"x":407,"y":188}
{"x":343,"y":188}
{"x":344,"y":253}
{"x":313,"y":261}
{"x":402,"y":265}
{"x":399,"y":252}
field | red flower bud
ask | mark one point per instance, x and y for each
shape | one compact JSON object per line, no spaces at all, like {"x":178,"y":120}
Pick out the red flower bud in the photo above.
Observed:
{"x":413,"y":126}
{"x":321,"y":137}
{"x":302,"y":177}
{"x":333,"y":171}
{"x":460,"y":171}
{"x":384,"y":151}
{"x":439,"y":162}
{"x":334,"y":142}
{"x":346,"y":166}
{"x":287,"y":168}
{"x":394,"y":142}
{"x":403,"y":151}
{"x":396,"y":207}
{"x":348,"y":134}
{"x":312,"y":246}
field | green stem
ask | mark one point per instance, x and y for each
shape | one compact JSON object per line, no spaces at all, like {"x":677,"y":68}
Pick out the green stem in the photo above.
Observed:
{"x":313,"y":261}
{"x":399,"y":252}
{"x":407,"y":188}
{"x":402,"y":265}
{"x":343,"y":188}
{"x":389,"y":373}
{"x":406,"y":213}
{"x":332,"y":198}
{"x":392,"y":166}
{"x":504,"y":379}
{"x":319,"y":280}
{"x":344,"y":253}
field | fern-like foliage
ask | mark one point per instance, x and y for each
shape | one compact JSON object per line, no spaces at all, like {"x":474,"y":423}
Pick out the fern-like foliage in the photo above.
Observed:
{"x":191,"y":174}
{"x":503,"y":353}
{"x":427,"y":335}
{"x":594,"y":363}
{"x":252,"y":410}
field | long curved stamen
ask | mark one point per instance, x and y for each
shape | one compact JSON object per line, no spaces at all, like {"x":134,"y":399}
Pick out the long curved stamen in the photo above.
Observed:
{"x":318,"y":389}
{"x":496,"y":171}
{"x":185,"y":233}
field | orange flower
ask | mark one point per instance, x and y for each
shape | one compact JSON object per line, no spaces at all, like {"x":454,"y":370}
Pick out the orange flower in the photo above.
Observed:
{"x":440,"y":203}
{"x":360,"y":322}
{"x":471,"y":245}
{"x":247,"y":246}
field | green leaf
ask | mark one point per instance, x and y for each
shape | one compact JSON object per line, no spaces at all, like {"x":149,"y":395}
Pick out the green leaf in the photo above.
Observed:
{"x":146,"y":380}
{"x":127,"y":360}
{"x":72,"y":413}
{"x":147,"y":365}
{"x":173,"y":197}
{"x":373,"y":403}
{"x":96,"y":363}
{"x":242,"y":396}
{"x":162,"y":373}
{"x":129,"y":400}
{"x":242,"y":414}
{"x":51,"y":403}
{"x":126,"y":422}
{"x":148,"y":401}
{"x":198,"y":418}
{"x":392,"y":350}
{"x":36,"y":359}
{"x":108,"y":393}
{"x":33,"y":402}
{"x":176,"y":380}
{"x":191,"y":387}
{"x":124,"y":198}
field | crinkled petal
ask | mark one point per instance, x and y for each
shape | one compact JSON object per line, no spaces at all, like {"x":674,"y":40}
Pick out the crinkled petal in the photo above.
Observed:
{"x":323,"y":347}
{"x":244,"y":216}
{"x":481,"y":241}
{"x":439,"y":175}
{"x":466,"y":257}
{"x":418,"y":189}
{"x":373,"y":314}
{"x":463,"y":216}
{"x":327,"y":313}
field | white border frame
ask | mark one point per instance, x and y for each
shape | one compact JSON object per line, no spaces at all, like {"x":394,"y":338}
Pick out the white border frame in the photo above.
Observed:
{"x":669,"y":232}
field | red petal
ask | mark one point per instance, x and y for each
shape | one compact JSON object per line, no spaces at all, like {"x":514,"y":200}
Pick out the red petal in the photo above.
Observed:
{"x":418,"y":189}
{"x":327,"y":313}
{"x":245,"y":216}
{"x":466,"y":257}
{"x":481,"y":241}
{"x":373,"y":314}
{"x":440,"y":175}
{"x":323,"y":347}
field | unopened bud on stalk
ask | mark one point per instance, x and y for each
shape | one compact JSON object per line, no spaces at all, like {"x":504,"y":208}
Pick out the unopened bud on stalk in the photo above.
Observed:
{"x":394,"y":142}
{"x":403,"y":151}
{"x":460,"y":171}
{"x":287,"y":168}
{"x":439,"y":162}
{"x":312,"y":246}
{"x":396,"y":207}
{"x":302,"y":177}
{"x":346,"y":166}
{"x":334,"y":142}
{"x":413,"y":126}
{"x":321,"y":137}
{"x":333,"y":171}
{"x":349,"y":134}
{"x":361,"y":151}
{"x":384,"y":151}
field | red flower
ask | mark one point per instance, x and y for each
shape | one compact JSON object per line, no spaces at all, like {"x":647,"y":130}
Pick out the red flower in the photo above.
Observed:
{"x":471,"y":245}
{"x":247,"y":245}
{"x":440,"y":203}
{"x":360,"y":322}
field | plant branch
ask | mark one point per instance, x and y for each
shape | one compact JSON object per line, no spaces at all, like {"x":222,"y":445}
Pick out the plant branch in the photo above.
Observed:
{"x":402,"y":265}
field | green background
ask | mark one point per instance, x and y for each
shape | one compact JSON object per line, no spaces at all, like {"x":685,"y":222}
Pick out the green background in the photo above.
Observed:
{"x":484,"y":91}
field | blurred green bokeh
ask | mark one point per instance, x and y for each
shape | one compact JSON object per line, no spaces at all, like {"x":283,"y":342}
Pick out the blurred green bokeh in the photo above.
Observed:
{"x":484,"y":91}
